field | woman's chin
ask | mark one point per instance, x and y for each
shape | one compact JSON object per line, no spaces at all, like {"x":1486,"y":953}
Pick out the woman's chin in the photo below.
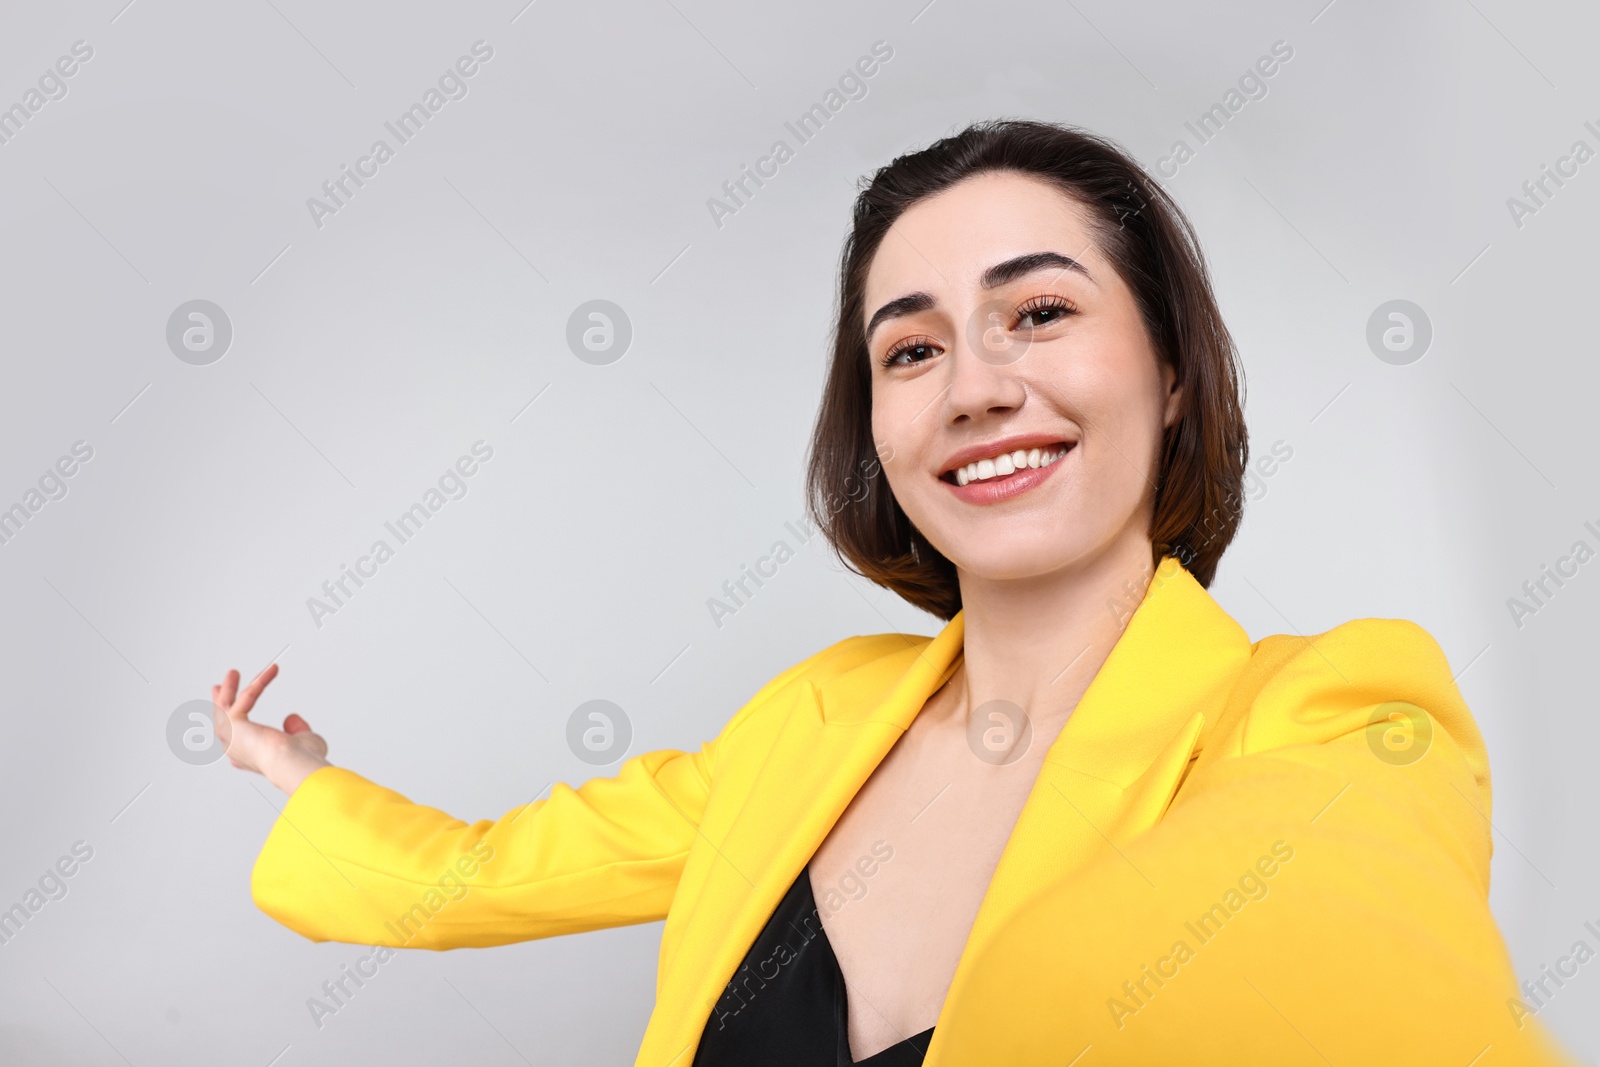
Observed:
{"x":1010,"y":562}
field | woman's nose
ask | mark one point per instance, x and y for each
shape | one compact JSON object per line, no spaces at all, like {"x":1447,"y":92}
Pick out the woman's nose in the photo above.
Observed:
{"x":984,"y":364}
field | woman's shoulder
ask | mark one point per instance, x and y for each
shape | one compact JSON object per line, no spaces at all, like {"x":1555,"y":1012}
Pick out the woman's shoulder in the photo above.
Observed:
{"x":884,"y":655}
{"x":1316,"y":687}
{"x":848,"y":655}
{"x":1365,"y":718}
{"x":1369,"y":645}
{"x":1372,"y":698}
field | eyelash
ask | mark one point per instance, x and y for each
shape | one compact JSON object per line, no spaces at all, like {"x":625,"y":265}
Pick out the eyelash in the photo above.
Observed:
{"x":1041,"y":303}
{"x":1029,"y":307}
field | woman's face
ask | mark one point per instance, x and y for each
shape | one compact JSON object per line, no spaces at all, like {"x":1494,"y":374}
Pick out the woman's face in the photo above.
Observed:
{"x":996,"y":327}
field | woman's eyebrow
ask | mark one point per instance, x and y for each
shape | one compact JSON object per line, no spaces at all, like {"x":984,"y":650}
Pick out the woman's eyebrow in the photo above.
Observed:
{"x":1012,"y":269}
{"x":993,"y":278}
{"x":909,"y":304}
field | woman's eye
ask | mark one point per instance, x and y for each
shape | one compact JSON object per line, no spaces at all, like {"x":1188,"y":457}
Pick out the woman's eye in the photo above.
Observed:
{"x":1036,"y":315}
{"x":904,"y":355}
{"x":1043,"y":316}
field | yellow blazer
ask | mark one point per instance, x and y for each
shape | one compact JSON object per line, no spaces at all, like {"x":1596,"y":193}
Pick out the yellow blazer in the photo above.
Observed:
{"x":1234,"y":853}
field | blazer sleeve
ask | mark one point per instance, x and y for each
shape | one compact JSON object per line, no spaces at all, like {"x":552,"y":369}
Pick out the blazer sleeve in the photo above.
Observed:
{"x":349,"y":860}
{"x":1317,"y":891}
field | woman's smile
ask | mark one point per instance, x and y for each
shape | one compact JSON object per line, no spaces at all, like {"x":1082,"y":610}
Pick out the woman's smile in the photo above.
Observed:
{"x":1003,"y":469}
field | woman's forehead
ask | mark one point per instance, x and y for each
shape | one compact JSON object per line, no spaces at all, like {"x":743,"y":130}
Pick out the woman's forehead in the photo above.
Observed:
{"x":947,"y":241}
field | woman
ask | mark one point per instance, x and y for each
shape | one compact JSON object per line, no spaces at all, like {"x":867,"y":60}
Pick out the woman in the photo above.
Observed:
{"x":1089,"y":817}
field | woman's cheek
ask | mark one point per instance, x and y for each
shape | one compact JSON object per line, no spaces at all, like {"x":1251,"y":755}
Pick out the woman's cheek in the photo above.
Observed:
{"x":889,"y":437}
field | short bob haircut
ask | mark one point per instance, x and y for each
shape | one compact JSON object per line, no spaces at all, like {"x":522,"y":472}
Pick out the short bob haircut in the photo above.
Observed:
{"x":1199,"y":488}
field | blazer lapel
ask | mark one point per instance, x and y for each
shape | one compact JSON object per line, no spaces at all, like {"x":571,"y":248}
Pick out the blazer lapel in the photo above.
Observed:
{"x":1122,"y":754}
{"x":831,"y":741}
{"x":1109,"y":774}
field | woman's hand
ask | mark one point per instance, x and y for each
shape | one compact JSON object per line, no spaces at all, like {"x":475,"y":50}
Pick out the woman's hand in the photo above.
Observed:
{"x":285,"y":757}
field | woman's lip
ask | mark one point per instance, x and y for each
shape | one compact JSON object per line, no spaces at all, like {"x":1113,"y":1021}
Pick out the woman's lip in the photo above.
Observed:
{"x":994,"y":490}
{"x":1005,"y":446}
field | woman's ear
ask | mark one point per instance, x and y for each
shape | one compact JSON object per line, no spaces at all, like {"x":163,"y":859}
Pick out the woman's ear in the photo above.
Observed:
{"x":1174,"y":393}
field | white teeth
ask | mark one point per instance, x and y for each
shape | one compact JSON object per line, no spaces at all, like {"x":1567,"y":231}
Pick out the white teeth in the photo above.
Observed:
{"x":1008,"y":463}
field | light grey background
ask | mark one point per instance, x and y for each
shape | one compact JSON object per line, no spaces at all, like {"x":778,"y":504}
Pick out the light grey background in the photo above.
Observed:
{"x":370,"y":353}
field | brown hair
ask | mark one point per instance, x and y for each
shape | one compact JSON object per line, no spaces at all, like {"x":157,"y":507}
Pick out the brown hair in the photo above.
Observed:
{"x":1199,"y":497}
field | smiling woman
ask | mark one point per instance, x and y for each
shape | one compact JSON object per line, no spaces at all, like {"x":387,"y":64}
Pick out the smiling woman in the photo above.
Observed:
{"x":1033,"y":419}
{"x":1030,"y":315}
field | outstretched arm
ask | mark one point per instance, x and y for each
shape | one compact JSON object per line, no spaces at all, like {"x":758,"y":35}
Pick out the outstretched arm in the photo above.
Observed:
{"x":349,"y":860}
{"x":1316,"y":893}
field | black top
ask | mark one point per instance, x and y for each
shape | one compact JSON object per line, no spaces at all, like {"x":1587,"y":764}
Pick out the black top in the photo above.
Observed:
{"x":786,"y":1006}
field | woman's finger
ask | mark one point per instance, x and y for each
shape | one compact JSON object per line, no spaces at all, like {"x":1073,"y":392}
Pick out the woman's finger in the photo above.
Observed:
{"x":230,"y":688}
{"x":222,"y":725}
{"x":247,"y":699}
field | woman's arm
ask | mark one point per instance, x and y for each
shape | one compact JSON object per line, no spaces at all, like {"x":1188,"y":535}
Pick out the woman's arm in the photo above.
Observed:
{"x":1317,"y":891}
{"x":349,"y":860}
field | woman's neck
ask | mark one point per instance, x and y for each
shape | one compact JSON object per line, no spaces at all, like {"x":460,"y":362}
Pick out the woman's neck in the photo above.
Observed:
{"x":1039,"y":643}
